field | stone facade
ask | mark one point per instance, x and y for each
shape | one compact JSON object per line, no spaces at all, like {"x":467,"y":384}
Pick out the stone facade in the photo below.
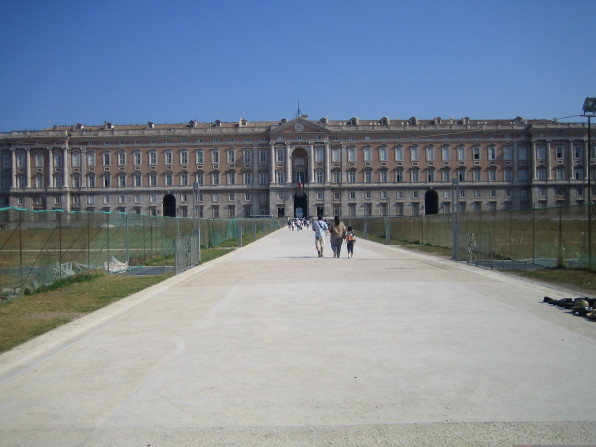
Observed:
{"x":283,"y":168}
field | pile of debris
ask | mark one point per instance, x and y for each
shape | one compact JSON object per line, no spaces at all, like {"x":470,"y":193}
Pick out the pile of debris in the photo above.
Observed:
{"x":583,"y":307}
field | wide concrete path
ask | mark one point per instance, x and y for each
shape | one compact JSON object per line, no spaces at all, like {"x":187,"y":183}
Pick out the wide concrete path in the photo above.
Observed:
{"x":271,"y":345}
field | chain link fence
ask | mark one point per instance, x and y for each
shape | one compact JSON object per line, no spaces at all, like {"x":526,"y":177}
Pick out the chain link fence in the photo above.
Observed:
{"x":39,"y":247}
{"x":549,"y":237}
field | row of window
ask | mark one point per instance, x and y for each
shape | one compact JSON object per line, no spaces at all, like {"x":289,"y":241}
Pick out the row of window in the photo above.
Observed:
{"x":319,"y":155}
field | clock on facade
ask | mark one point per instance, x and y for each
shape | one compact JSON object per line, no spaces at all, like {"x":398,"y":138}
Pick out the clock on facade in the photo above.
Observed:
{"x":299,"y":127}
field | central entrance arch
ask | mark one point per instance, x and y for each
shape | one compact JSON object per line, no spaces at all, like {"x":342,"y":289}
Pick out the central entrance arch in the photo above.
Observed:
{"x":300,"y":204}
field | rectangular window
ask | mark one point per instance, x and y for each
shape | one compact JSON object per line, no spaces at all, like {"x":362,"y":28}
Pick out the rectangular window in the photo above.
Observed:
{"x":492,"y":153}
{"x":541,"y":152}
{"x":200,"y":178}
{"x":352,"y":155}
{"x":476,"y":153}
{"x":280,"y":155}
{"x":106,"y":159}
{"x":121,"y":158}
{"x":476,"y":175}
{"x":445,"y":174}
{"x":247,"y":178}
{"x":336,"y":155}
{"x":231,"y":156}
{"x":336,"y":176}
{"x":507,"y":153}
{"x":107,"y":181}
{"x":399,"y":176}
{"x":91,"y":181}
{"x":319,"y":155}
{"x":215,"y":178}
{"x":169,"y":179}
{"x":352,"y":176}
{"x":152,"y":158}
{"x":367,"y":154}
{"x":383,"y":154}
{"x":560,"y":173}
{"x":414,"y":175}
{"x":383,"y":176}
{"x":523,"y":153}
{"x":523,"y":175}
{"x":184,"y":157}
{"x":137,"y":159}
{"x":215,"y":156}
{"x":76,"y":159}
{"x":399,"y":154}
{"x":168,"y":158}
{"x":153,"y":179}
{"x":367,"y":176}
{"x":461,"y":153}
{"x":414,"y":154}
{"x":200,"y":157}
{"x":263,"y":156}
{"x":430,"y":154}
{"x":246,"y":155}
{"x":122,"y":180}
{"x":507,"y":173}
{"x":320,"y":176}
{"x":184,"y":179}
{"x":559,"y":151}
{"x":138,"y":179}
{"x":352,"y":195}
{"x":58,"y":160}
{"x":430,"y":176}
{"x":445,"y":153}
{"x":492,"y":175}
{"x":263,"y":178}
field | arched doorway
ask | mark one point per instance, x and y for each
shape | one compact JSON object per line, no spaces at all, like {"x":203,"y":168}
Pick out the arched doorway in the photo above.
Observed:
{"x":431,"y":202}
{"x":169,"y":205}
{"x":300,"y":204}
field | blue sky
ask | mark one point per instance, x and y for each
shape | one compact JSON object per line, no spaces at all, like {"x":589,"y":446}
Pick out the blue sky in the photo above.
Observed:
{"x":131,"y":62}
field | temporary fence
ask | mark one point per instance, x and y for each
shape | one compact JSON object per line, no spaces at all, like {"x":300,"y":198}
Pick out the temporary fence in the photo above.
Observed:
{"x":39,"y":247}
{"x":561,"y":236}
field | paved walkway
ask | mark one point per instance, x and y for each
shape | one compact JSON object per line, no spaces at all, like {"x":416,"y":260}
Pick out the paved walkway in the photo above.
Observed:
{"x":271,"y":345}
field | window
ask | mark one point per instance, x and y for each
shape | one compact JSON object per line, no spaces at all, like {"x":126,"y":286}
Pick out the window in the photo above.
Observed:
{"x":414,"y":154}
{"x":39,"y":160}
{"x":559,"y":151}
{"x":367,"y":195}
{"x":336,"y":176}
{"x":336,"y":155}
{"x":247,"y":197}
{"x":107,"y":181}
{"x":383,"y":176}
{"x":168,"y":179}
{"x":382,"y":154}
{"x":152,"y":158}
{"x":247,"y":178}
{"x":540,"y":152}
{"x":578,"y":173}
{"x":399,"y":176}
{"x":541,"y":174}
{"x":137,"y":159}
{"x":507,"y":153}
{"x":184,"y":157}
{"x":320,"y":176}
{"x":184,"y":179}
{"x":560,"y":173}
{"x":476,"y":175}
{"x":477,"y":193}
{"x":200,"y":178}
{"x":246,"y":155}
{"x":58,"y":160}
{"x":461,"y":175}
{"x":232,"y":197}
{"x":152,"y":198}
{"x":523,"y":175}
{"x":352,"y":176}
{"x":320,"y":196}
{"x":21,"y":181}
{"x":414,"y":175}
{"x":215,"y":197}
{"x":445,"y":175}
{"x":153,"y":179}
{"x":231,"y":178}
{"x":122,"y":180}
{"x":200,"y":158}
{"x":461,"y":153}
{"x":352,"y":195}
{"x":215,"y":156}
{"x":215,"y":178}
{"x":430,"y":176}
{"x":280,"y":176}
{"x":367,"y":154}
{"x":263,"y":178}
{"x":76,"y":159}
{"x":578,"y":151}
{"x":319,"y":154}
{"x":91,"y":180}
{"x":352,"y":209}
{"x":507,"y":173}
{"x":121,"y":199}
{"x":280,"y":155}
{"x":168,"y":158}
{"x":352,"y":154}
{"x":399,"y":154}
{"x":492,"y":175}
{"x":90,"y":200}
{"x":492,"y":153}
{"x":523,"y":153}
{"x":368,"y":176}
{"x":263,"y":156}
{"x":121,"y":158}
{"x":430,"y":154}
{"x":542,"y":191}
{"x":476,"y":153}
{"x":20,"y":160}
{"x":231,"y":156}
{"x":106,"y":159}
{"x":445,"y":153}
{"x":138,"y":180}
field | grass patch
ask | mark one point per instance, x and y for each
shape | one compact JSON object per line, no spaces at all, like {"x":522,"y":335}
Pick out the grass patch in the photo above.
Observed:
{"x":31,"y":315}
{"x":577,"y":279}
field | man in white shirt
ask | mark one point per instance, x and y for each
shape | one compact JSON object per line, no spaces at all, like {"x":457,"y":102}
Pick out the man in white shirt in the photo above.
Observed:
{"x":320,"y":228}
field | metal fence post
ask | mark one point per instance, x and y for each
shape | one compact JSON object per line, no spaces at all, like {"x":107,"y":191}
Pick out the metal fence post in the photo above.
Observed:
{"x":108,"y":237}
{"x":239,"y":231}
{"x":59,"y":214}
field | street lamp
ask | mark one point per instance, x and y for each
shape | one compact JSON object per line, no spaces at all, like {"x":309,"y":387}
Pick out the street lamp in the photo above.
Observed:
{"x":589,"y":109}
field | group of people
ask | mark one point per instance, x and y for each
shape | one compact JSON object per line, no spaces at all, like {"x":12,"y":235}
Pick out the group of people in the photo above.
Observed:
{"x":338,"y":234}
{"x":297,"y":224}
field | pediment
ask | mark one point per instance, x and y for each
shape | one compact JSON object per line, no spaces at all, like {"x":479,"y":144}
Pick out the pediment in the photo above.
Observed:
{"x":298,"y":126}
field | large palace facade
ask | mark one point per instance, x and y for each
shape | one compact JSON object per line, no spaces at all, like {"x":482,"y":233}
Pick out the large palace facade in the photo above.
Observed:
{"x":298,"y":167}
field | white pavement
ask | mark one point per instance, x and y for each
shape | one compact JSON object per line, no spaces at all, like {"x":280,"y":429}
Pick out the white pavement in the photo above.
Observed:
{"x":271,"y":345}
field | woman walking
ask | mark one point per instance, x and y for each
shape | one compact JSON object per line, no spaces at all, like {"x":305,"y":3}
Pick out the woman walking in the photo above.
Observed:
{"x":337,"y":231}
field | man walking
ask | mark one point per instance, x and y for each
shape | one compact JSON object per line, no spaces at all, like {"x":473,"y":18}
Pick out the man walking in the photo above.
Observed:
{"x":320,"y":228}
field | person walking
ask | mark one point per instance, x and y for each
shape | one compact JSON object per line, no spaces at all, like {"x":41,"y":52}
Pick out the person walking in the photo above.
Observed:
{"x":350,"y":241}
{"x":338,"y":233}
{"x":320,"y":228}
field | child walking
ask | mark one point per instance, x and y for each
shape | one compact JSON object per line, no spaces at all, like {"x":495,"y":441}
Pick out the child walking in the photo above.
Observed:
{"x":350,"y":241}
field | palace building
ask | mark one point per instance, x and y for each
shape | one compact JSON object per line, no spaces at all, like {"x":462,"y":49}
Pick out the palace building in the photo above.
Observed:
{"x":298,"y":167}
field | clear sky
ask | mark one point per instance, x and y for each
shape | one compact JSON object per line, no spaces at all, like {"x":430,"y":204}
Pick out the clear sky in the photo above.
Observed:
{"x":130,"y":62}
